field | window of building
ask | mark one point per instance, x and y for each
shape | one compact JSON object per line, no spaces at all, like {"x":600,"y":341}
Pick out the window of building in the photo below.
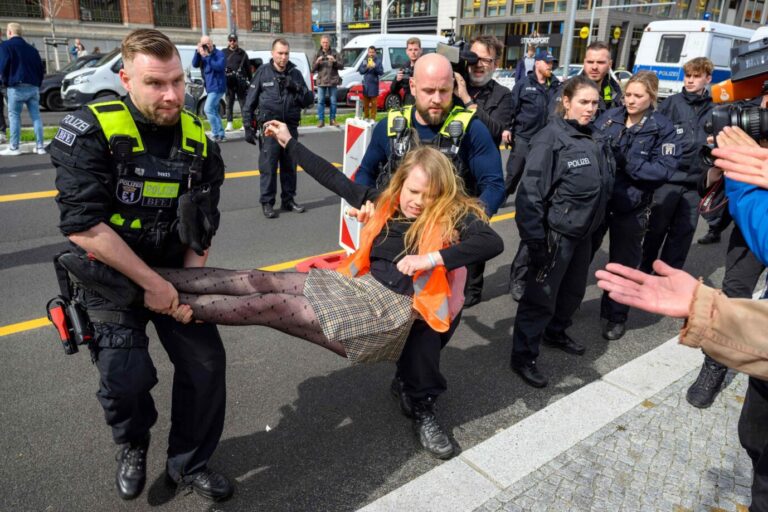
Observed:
{"x":102,"y":11}
{"x":522,"y":6}
{"x":171,"y":13}
{"x":471,"y":8}
{"x":754,"y":11}
{"x":20,"y":9}
{"x":496,"y":7}
{"x":265,"y":16}
{"x":324,"y":11}
{"x":413,"y":8}
{"x":584,"y":4}
{"x":670,"y":48}
{"x":363,"y":10}
{"x":554,"y":6}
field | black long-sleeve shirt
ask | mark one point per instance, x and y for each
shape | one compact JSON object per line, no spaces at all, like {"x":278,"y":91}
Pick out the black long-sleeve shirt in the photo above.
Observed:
{"x":477,"y":240}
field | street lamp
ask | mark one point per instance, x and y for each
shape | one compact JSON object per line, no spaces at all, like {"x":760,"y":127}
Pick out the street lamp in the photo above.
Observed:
{"x":385,"y":16}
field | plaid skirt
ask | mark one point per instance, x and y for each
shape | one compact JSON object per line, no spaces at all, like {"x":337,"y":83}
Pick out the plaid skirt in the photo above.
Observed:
{"x":369,"y":319}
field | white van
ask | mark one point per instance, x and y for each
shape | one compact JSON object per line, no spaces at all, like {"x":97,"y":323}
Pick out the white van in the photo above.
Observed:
{"x":391,"y":48}
{"x":667,"y":45}
{"x":102,"y":80}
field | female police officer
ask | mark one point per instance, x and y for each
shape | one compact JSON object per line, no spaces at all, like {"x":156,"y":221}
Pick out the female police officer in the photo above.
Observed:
{"x":644,"y":144}
{"x":561,"y":202}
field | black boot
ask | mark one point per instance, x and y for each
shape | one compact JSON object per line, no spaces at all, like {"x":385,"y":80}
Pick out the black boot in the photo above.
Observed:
{"x":712,"y":237}
{"x":614,"y":330}
{"x":703,"y":392}
{"x":292,"y":206}
{"x":207,"y":483}
{"x":269,"y":211}
{"x":563,"y":342}
{"x":396,"y":388}
{"x":429,"y":431}
{"x":132,"y":469}
{"x":529,"y":372}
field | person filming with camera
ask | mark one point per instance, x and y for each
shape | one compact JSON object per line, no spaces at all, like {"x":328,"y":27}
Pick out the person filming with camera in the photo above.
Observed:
{"x":212,"y":63}
{"x":403,"y":78}
{"x":327,"y":64}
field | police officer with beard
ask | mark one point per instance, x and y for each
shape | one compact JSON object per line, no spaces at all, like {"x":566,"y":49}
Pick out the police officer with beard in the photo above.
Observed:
{"x":138,"y":185}
{"x":279,"y":93}
{"x":492,"y":104}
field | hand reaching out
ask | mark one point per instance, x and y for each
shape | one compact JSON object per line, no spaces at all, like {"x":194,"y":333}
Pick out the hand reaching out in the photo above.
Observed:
{"x":363,"y":214}
{"x":741,"y":158}
{"x":670,"y":292}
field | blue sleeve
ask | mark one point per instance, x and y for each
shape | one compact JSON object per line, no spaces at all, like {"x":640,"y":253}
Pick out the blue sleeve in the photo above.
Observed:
{"x":363,"y":67}
{"x":379,"y":68}
{"x":217,"y":60}
{"x":748,"y":205}
{"x":376,"y":154}
{"x":484,"y":161}
{"x":196,"y":60}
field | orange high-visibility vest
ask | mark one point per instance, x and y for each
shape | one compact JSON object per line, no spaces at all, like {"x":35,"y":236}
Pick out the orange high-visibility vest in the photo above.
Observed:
{"x":430,"y":287}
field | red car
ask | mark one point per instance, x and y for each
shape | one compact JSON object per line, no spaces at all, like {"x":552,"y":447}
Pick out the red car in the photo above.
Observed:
{"x":387,"y":100}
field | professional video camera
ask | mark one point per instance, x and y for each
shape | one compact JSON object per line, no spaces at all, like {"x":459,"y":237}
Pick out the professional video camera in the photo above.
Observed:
{"x":749,"y":79}
{"x":460,"y":57}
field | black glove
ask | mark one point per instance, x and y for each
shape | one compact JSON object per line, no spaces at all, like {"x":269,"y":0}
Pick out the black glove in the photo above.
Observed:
{"x":538,"y":253}
{"x":250,"y":135}
{"x":290,"y":85}
{"x":195,"y":227}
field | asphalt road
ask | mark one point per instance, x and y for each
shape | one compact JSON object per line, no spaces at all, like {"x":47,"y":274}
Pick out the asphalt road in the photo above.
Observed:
{"x":304,"y":429}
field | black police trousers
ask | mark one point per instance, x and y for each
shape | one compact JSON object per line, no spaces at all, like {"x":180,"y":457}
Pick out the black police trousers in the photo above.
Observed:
{"x":419,"y":364}
{"x":671,"y":227}
{"x":753,"y":436}
{"x":516,"y":164}
{"x":233,"y":93}
{"x":127,"y":375}
{"x":549,"y":305}
{"x":270,"y":156}
{"x":625,"y":246}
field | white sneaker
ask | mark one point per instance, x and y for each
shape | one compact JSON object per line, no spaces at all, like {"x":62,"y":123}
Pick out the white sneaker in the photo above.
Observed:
{"x":229,"y":127}
{"x":41,"y":151}
{"x":10,"y":152}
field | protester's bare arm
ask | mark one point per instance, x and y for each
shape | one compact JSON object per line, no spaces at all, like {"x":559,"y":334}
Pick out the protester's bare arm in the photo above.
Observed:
{"x":279,"y":131}
{"x":670,"y":292}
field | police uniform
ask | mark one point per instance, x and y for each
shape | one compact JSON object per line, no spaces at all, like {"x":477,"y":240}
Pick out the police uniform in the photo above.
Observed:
{"x":136,"y":193}
{"x":674,"y":214}
{"x":478,"y":163}
{"x":561,"y":202}
{"x":278,"y":96}
{"x":531,"y":104}
{"x":646,"y":156}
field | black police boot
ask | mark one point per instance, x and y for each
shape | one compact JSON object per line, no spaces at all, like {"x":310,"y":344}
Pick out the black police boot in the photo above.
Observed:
{"x":614,"y":330}
{"x":207,"y":483}
{"x":396,"y":389}
{"x":429,"y":431}
{"x":712,"y":237}
{"x":269,"y":211}
{"x":703,"y":392}
{"x":564,"y":342}
{"x":529,"y":372}
{"x":132,"y":469}
{"x":292,"y":206}
{"x":102,"y":279}
{"x":472,"y":299}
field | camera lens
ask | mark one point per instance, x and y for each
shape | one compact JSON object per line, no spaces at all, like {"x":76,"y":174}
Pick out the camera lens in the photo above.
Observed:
{"x":753,"y":120}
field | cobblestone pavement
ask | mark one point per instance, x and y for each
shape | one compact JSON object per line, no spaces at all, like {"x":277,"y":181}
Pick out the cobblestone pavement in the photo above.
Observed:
{"x":663,"y":455}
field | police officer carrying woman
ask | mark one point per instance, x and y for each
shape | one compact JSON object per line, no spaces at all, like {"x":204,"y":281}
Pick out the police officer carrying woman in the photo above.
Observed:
{"x":561,"y":202}
{"x":645,"y":146}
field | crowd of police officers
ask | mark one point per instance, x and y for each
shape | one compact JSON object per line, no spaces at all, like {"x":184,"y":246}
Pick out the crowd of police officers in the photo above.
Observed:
{"x":139,"y":183}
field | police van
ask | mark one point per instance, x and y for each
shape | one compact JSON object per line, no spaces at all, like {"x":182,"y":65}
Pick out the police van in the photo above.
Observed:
{"x":667,"y":45}
{"x":391,"y":49}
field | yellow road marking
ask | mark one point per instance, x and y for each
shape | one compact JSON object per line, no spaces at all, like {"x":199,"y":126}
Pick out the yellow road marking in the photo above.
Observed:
{"x":7,"y":330}
{"x":7,"y":198}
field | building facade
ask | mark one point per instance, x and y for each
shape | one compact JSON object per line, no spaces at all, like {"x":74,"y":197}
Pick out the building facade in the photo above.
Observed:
{"x":542,"y":22}
{"x":103,"y":23}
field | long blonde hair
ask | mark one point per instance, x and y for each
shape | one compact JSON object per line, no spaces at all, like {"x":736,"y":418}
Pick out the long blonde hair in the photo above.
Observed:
{"x":448,"y":201}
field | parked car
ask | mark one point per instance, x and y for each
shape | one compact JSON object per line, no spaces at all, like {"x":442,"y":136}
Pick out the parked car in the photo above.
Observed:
{"x":505,"y":77}
{"x":573,"y":70}
{"x":50,"y":89}
{"x":622,"y":76}
{"x":387,"y":99}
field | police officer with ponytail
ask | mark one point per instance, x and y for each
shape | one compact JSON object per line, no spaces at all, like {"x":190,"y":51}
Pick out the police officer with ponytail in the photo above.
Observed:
{"x":138,"y":185}
{"x":647,"y":150}
{"x":561,"y":202}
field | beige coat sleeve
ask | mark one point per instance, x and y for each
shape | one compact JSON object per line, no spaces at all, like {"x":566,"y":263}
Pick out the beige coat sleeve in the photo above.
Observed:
{"x":733,"y":332}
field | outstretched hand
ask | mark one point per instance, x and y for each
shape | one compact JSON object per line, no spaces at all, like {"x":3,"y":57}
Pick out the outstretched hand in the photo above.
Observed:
{"x":278,"y":131}
{"x":669,"y":292}
{"x":741,"y":158}
{"x":363,"y":214}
